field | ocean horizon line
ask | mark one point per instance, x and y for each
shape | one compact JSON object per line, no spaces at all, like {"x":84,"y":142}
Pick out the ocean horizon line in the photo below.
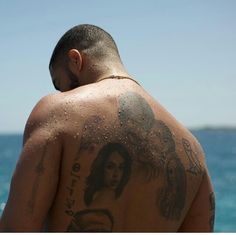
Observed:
{"x":191,"y":128}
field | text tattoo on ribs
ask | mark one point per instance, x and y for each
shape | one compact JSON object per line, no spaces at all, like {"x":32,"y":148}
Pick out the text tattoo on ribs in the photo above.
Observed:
{"x":75,"y":177}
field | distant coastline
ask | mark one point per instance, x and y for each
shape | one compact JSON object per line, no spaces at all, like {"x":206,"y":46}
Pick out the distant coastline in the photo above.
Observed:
{"x":213,"y":128}
{"x":200,"y":128}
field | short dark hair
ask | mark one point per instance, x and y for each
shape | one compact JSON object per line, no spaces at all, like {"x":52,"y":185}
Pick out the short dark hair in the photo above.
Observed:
{"x":85,"y":37}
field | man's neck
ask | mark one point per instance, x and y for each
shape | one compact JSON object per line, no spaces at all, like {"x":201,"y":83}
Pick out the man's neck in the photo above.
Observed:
{"x":100,"y":72}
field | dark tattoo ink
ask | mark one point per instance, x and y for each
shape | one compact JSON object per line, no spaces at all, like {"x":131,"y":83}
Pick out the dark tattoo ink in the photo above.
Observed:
{"x":194,"y":164}
{"x":153,"y":147}
{"x":91,"y":220}
{"x":137,"y":120}
{"x":212,"y":209}
{"x":39,"y":170}
{"x":173,"y":195}
{"x":134,"y":112}
{"x":75,"y":173}
{"x":111,"y":169}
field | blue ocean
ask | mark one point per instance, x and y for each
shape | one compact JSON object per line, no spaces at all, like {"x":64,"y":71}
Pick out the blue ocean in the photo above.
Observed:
{"x":220,"y":149}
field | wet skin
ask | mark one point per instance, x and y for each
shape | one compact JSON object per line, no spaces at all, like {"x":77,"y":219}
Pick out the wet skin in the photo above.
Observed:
{"x":113,"y":140}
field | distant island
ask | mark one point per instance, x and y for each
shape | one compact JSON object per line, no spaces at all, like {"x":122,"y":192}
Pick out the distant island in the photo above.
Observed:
{"x":213,"y":128}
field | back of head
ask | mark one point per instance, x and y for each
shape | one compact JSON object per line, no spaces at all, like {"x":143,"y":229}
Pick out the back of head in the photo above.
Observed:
{"x":90,"y":39}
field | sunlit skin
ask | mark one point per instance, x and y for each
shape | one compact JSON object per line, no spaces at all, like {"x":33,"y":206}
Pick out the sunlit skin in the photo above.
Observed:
{"x":114,"y":170}
{"x":48,"y":189}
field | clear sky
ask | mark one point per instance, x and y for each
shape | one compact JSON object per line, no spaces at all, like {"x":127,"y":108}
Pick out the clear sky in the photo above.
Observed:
{"x":181,"y":51}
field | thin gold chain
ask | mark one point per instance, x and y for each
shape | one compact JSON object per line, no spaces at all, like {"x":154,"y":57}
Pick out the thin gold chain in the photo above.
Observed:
{"x":118,"y":77}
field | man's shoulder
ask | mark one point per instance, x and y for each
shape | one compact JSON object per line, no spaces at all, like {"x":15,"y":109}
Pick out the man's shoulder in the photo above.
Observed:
{"x":46,"y":104}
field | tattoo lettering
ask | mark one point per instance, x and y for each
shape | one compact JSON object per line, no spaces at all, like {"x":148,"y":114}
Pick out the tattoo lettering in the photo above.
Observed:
{"x":70,"y":202}
{"x":212,"y":209}
{"x":110,"y":170}
{"x":91,"y":220}
{"x":173,"y":195}
{"x":194,"y":164}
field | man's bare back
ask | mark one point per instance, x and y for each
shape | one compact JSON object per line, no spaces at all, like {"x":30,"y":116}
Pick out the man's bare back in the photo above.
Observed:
{"x":107,"y":157}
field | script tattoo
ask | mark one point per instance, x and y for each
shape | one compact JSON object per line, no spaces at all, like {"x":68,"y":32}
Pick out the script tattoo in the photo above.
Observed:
{"x":39,"y":170}
{"x":75,"y":178}
{"x":92,"y":220}
{"x":212,"y":209}
{"x":194,"y":164}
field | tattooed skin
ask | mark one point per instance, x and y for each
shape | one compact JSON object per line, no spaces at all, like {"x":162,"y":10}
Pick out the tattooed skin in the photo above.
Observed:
{"x":135,"y":112}
{"x":137,"y":119}
{"x":153,"y":147}
{"x":39,"y":170}
{"x":172,"y":199}
{"x":92,"y":220}
{"x":140,"y":138}
{"x":212,"y":209}
{"x":194,"y":164}
{"x":91,"y":126}
{"x":111,"y":169}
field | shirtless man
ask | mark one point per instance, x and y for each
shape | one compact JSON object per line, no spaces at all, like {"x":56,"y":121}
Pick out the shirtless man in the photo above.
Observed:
{"x":103,"y":155}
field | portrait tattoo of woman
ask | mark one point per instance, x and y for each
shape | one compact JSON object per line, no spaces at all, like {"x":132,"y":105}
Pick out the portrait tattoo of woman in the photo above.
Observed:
{"x":109,"y":171}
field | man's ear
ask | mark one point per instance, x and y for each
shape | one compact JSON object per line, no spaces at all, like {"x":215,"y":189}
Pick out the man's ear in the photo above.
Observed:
{"x":75,"y":59}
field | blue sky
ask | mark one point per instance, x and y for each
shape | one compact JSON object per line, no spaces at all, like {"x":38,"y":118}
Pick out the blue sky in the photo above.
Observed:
{"x":183,"y":52}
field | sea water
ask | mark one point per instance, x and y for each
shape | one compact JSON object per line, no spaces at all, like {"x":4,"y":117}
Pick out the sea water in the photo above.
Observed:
{"x":220,"y":151}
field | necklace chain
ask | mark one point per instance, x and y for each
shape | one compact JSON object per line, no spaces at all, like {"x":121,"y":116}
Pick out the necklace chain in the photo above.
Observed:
{"x":118,"y":77}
